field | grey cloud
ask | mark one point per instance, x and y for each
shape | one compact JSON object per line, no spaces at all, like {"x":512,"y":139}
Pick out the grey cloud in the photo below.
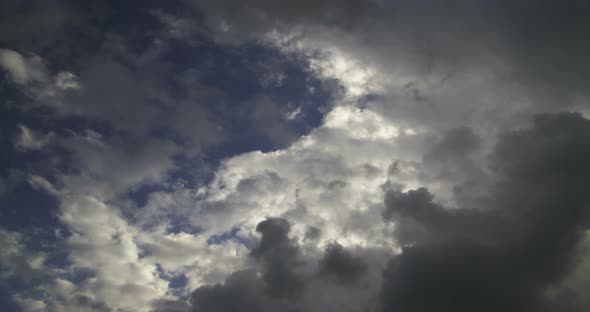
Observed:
{"x":279,"y":257}
{"x":455,"y":143}
{"x":256,"y":17}
{"x":284,"y":279}
{"x":312,"y":233}
{"x":475,"y":67}
{"x":29,"y":139}
{"x":27,"y":23}
{"x":457,"y":158}
{"x":269,"y":120}
{"x":246,"y":290}
{"x":111,"y":165}
{"x":169,"y":305}
{"x":86,"y":302}
{"x":270,"y":181}
{"x":523,"y":239}
{"x":132,"y":99}
{"x":511,"y":252}
{"x":123,"y":88}
{"x":242,"y":291}
{"x":527,"y":55}
{"x":341,"y":264}
{"x":17,"y":259}
{"x":422,"y":220}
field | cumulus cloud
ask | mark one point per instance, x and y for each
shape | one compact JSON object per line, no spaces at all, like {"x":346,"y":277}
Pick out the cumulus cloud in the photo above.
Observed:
{"x":400,"y":167}
{"x":511,"y":252}
{"x":330,"y":179}
{"x":505,"y":254}
{"x":284,"y":278}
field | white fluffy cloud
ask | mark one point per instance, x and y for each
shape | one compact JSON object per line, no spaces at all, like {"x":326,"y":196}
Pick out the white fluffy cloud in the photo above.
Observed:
{"x":130,"y":265}
{"x":103,"y":241}
{"x":332,"y":179}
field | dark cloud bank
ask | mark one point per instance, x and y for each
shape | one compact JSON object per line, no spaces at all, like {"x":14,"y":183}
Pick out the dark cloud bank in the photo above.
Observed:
{"x":510,"y":253}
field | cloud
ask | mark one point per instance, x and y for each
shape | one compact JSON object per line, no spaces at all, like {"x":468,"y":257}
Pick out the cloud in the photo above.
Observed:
{"x":18,"y":260}
{"x":284,"y":277}
{"x":30,"y":305}
{"x":268,"y":119}
{"x":512,"y":252}
{"x":124,"y":260}
{"x":103,"y":242}
{"x":341,"y":264}
{"x":170,"y":306}
{"x":434,"y":64}
{"x":113,"y":165}
{"x":31,"y":77}
{"x":420,"y":180}
{"x":330,"y":179}
{"x":504,"y":254}
{"x":22,"y":70}
{"x":28,"y":139}
{"x":119,"y":126}
{"x":277,"y":256}
{"x":14,"y":64}
{"x":27,"y":24}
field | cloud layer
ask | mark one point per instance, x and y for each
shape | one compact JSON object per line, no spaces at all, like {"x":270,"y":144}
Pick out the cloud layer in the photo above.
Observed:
{"x":510,"y":253}
{"x":299,"y":156}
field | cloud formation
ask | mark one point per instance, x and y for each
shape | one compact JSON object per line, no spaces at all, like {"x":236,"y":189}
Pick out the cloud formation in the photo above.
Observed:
{"x":278,"y":155}
{"x":477,"y":61}
{"x":288,"y":280}
{"x":510,"y":253}
{"x":504,"y":255}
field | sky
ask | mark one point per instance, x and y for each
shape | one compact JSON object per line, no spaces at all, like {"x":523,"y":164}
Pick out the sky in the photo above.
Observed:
{"x":300,"y":156}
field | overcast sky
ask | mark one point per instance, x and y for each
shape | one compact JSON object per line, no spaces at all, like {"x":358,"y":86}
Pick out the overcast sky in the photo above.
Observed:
{"x":299,"y":156}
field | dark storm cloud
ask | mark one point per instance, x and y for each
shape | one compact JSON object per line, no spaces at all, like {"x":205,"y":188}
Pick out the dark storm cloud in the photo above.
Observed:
{"x":503,"y":255}
{"x":275,"y":288}
{"x":422,"y":220}
{"x":242,"y":291}
{"x":283,"y":278}
{"x":341,"y":264}
{"x":279,"y":258}
{"x":170,"y":306}
{"x":455,"y":143}
{"x":457,"y":157}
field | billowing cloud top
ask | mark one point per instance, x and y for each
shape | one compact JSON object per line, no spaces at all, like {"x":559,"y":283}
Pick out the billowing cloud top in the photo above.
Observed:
{"x":300,"y":156}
